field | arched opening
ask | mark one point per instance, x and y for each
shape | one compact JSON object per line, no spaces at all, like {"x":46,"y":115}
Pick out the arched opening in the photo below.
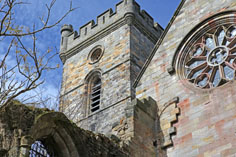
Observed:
{"x":52,"y":134}
{"x":43,"y":148}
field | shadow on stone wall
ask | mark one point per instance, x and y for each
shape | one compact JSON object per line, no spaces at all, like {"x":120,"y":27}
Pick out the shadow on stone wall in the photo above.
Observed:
{"x":167,"y":116}
{"x":162,"y":152}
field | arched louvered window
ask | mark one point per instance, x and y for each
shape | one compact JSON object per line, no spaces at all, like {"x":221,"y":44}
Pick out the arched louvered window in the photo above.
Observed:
{"x":95,"y":92}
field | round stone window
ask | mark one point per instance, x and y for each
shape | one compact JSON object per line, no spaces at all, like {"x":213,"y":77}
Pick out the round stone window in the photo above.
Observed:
{"x":207,"y":59}
{"x":95,"y":54}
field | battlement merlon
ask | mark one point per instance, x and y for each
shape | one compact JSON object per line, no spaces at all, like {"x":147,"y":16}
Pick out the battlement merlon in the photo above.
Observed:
{"x":126,"y":12}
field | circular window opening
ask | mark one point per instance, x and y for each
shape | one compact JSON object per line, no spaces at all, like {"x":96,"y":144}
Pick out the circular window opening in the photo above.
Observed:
{"x":208,"y":59}
{"x":96,"y":54}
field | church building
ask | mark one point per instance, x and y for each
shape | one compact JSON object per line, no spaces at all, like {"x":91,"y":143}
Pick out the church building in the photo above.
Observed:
{"x":132,"y":88}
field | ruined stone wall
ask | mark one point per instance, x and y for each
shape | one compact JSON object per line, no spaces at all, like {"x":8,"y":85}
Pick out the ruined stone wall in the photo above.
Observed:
{"x":15,"y":122}
{"x":74,"y":141}
{"x":21,"y":126}
{"x":206,"y":124}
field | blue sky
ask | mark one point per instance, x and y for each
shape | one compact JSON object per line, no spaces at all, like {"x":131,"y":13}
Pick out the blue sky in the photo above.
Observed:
{"x":160,"y":10}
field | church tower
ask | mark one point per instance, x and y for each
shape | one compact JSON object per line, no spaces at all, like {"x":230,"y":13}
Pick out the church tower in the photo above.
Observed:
{"x":101,"y":63}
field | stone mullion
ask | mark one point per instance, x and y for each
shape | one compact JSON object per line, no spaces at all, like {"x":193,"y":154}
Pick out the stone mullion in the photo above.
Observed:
{"x":221,"y":70}
{"x":213,"y":73}
{"x":25,"y":145}
{"x":215,"y":38}
{"x":232,"y":43}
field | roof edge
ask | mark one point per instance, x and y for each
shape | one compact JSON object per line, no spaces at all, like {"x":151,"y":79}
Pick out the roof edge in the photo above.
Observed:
{"x":157,"y":45}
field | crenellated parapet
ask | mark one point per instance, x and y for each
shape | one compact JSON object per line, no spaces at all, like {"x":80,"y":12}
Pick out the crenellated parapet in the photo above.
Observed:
{"x":126,"y":12}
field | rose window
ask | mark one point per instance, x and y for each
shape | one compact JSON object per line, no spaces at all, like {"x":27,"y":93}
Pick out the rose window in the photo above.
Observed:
{"x":209,"y":58}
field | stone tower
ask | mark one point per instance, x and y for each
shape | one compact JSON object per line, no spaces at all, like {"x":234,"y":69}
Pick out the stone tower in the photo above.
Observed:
{"x":101,"y":63}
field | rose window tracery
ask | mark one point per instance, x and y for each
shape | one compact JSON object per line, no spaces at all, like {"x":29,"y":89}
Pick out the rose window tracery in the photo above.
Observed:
{"x":208,"y":60}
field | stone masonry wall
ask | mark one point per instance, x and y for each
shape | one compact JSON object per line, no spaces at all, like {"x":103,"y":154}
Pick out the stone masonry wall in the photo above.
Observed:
{"x":116,"y":56}
{"x":21,"y":126}
{"x":72,"y":141}
{"x":16,"y":120}
{"x":115,"y":74}
{"x":137,"y":128}
{"x":127,"y":38}
{"x":141,"y":47}
{"x":207,"y":121}
{"x":104,"y":120}
{"x":119,"y":69}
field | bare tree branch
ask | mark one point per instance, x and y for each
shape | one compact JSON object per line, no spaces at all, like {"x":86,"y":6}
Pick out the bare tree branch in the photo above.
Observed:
{"x":5,"y":56}
{"x":8,"y":32}
{"x":30,"y":63}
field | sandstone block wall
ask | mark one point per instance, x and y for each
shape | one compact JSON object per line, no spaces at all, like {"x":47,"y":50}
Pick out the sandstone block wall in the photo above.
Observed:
{"x":206,"y":124}
{"x":115,"y":74}
{"x":137,"y":128}
{"x":140,"y":48}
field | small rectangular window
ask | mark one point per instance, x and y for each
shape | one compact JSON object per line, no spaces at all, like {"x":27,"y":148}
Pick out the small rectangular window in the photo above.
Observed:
{"x":103,"y":19}
{"x":85,"y":31}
